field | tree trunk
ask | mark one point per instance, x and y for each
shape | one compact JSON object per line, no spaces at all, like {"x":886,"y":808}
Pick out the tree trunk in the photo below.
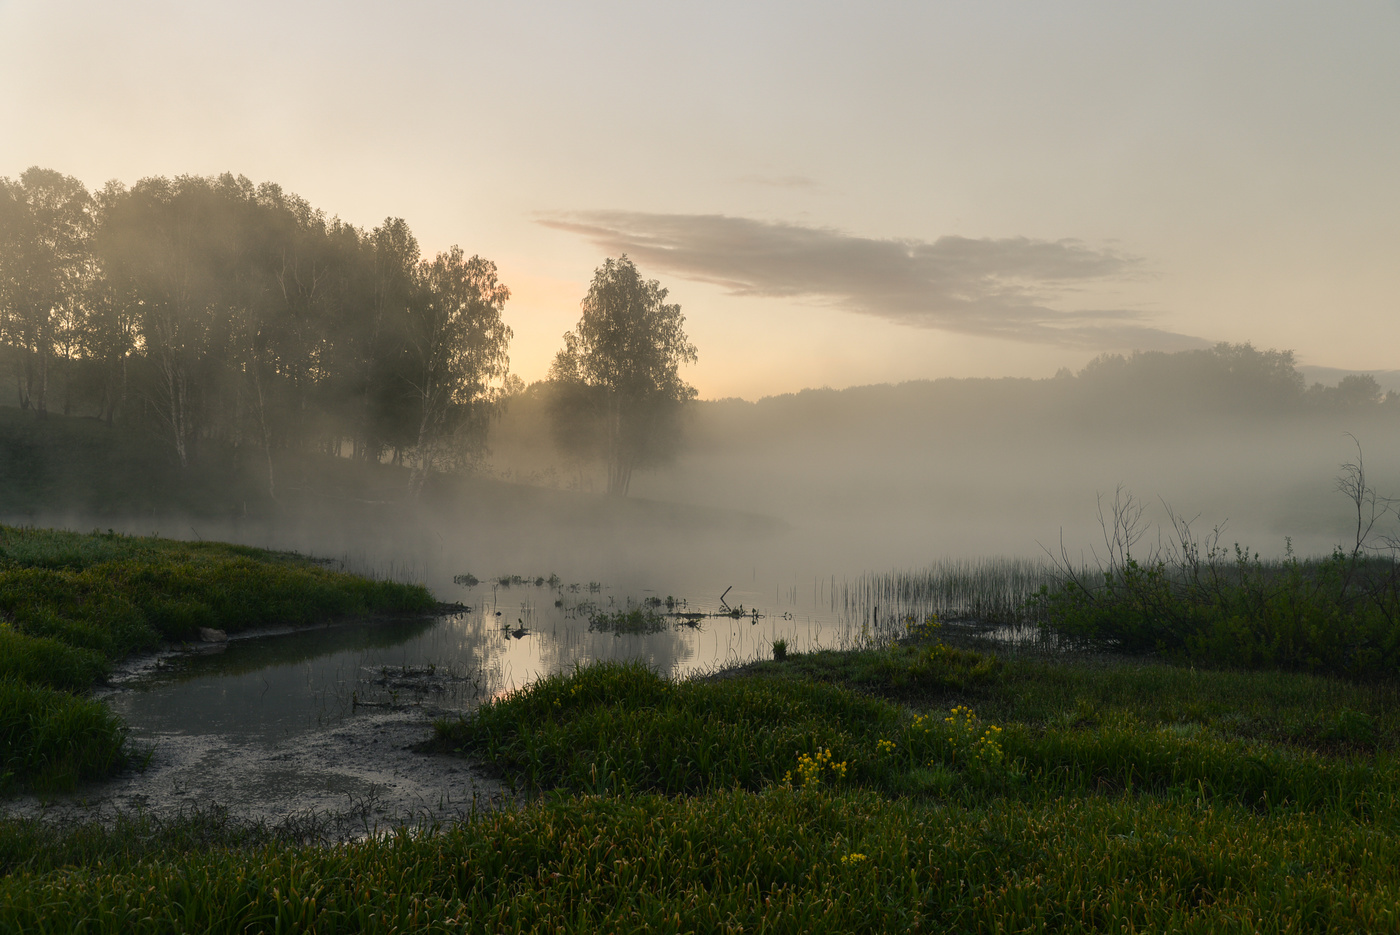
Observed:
{"x":41,"y":405}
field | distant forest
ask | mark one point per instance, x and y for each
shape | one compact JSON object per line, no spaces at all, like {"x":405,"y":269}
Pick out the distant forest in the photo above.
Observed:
{"x":1113,"y":392}
{"x":1113,"y":397}
{"x":227,"y":319}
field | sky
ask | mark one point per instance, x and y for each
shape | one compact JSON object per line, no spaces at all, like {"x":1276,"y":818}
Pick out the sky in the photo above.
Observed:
{"x":835,"y":193}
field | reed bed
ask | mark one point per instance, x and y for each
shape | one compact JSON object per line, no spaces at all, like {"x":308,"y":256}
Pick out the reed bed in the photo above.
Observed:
{"x":993,"y":591}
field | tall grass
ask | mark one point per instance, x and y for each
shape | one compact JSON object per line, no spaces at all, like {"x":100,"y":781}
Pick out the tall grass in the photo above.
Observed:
{"x":1199,"y":602}
{"x":50,"y":739}
{"x":988,"y":590}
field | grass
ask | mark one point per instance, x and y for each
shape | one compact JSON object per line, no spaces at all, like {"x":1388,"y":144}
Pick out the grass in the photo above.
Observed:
{"x":779,"y":860}
{"x":618,"y":728}
{"x":50,"y":738}
{"x":71,"y":605}
{"x":911,"y":786}
{"x":1339,"y":615}
{"x":809,"y":795}
{"x":989,"y":590}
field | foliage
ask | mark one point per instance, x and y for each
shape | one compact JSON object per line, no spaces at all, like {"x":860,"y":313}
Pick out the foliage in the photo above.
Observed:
{"x":617,"y":384}
{"x":460,"y":342}
{"x":1246,"y":378}
{"x":219,"y":313}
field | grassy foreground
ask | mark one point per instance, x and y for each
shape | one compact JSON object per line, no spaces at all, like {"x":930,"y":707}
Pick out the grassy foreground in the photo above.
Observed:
{"x":71,"y":605}
{"x":904,"y":788}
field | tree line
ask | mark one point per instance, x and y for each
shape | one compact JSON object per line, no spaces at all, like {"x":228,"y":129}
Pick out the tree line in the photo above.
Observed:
{"x":222,"y":314}
{"x":227,"y":316}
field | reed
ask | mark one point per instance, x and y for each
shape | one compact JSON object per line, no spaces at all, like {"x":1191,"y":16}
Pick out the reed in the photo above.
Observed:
{"x":994,"y":591}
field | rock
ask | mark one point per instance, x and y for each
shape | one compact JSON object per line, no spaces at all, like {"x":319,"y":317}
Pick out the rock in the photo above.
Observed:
{"x":210,"y":635}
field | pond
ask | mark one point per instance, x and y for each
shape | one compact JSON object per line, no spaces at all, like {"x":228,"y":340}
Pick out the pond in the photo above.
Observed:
{"x":507,"y":636}
{"x":331,"y":720}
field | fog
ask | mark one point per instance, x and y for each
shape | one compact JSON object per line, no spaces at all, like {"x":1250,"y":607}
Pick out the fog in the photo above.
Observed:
{"x":787,"y":490}
{"x":897,"y":477}
{"x":231,"y":362}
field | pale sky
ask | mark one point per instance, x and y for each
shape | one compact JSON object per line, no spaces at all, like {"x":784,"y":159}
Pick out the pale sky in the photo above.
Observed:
{"x":836,"y":194}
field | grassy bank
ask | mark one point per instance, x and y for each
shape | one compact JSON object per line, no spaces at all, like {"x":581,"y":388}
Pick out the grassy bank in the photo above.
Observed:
{"x":906,"y":788}
{"x":72,"y":605}
{"x":780,"y":860}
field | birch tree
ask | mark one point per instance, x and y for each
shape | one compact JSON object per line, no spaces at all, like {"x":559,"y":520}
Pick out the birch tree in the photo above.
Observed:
{"x":618,"y":389}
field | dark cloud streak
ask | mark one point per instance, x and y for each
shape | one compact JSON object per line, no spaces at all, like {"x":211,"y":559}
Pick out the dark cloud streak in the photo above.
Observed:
{"x":989,"y":287}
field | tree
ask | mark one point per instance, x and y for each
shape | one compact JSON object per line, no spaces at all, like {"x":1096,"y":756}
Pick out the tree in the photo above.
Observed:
{"x":618,"y":391}
{"x":45,"y":229}
{"x":458,"y":350}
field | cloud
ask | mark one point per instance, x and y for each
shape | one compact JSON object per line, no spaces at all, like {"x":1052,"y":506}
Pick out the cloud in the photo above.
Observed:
{"x":1012,"y":287}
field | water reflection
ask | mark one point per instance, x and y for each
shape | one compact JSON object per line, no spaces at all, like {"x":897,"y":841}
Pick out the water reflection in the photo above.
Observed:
{"x":267,"y":690}
{"x":274,"y":687}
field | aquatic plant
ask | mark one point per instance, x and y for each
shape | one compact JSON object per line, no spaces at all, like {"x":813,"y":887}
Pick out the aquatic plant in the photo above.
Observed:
{"x":643,"y":619}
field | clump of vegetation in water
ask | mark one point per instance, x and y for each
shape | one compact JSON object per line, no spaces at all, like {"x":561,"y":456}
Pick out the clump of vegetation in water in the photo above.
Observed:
{"x":71,"y":605}
{"x":635,"y":620}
